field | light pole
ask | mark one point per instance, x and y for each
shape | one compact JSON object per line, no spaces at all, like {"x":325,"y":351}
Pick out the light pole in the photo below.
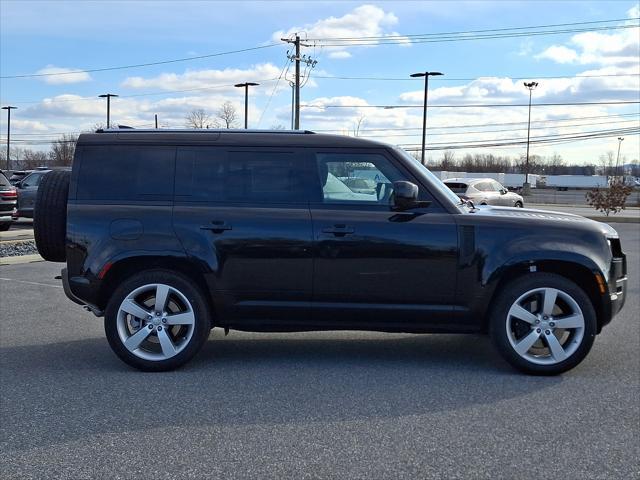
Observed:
{"x":108,"y":97}
{"x":8,"y":108}
{"x":246,"y":86}
{"x":620,"y":139}
{"x":426,"y":76}
{"x":526,"y":187}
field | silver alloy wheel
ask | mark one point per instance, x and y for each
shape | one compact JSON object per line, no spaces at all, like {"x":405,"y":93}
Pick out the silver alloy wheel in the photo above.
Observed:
{"x":155,"y":322}
{"x":545,"y":326}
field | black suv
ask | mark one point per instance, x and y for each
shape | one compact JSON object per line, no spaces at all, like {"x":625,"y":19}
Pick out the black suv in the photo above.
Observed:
{"x":257,"y":231}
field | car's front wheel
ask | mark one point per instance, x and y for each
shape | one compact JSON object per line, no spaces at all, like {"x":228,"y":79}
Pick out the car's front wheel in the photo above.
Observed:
{"x":157,"y":320}
{"x":543,"y":324}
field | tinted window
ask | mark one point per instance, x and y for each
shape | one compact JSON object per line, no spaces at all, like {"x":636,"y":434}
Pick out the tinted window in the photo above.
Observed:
{"x":218,"y":175}
{"x":4,"y":182}
{"x":496,"y":186}
{"x":126,"y":173}
{"x":339,"y":171}
{"x":33,"y":180}
{"x":457,"y":187}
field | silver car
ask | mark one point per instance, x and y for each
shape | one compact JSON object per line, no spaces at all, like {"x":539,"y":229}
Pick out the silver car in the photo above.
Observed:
{"x":484,"y":191}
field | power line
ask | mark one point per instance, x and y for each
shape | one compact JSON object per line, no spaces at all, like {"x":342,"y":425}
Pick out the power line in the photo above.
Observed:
{"x":529,"y":27}
{"x":565,"y":119}
{"x":478,"y":105}
{"x":139,"y":65}
{"x":448,"y":79}
{"x":457,"y":38}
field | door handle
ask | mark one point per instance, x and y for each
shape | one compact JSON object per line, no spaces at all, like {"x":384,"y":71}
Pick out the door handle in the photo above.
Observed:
{"x":339,"y":230}
{"x":217,"y":226}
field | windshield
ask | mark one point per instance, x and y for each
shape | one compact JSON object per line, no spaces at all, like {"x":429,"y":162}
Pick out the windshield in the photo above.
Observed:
{"x":434,"y":180}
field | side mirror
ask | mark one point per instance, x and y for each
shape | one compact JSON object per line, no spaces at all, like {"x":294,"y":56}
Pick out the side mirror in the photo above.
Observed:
{"x":405,"y":196}
{"x":503,"y":191}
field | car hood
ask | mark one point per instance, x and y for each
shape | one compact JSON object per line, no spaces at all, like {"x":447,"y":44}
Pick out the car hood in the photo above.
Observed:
{"x":531,"y":214}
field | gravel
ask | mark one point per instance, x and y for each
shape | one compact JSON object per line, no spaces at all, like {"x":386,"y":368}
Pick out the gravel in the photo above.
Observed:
{"x":22,"y":247}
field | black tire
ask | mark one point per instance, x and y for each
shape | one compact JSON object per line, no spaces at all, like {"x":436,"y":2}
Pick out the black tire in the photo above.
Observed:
{"x":500,"y":323}
{"x":50,"y":215}
{"x":4,"y":227}
{"x":194,"y":295}
{"x":518,"y":205}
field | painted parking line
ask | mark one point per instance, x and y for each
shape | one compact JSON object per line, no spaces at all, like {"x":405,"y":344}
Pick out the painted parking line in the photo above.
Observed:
{"x":30,"y":283}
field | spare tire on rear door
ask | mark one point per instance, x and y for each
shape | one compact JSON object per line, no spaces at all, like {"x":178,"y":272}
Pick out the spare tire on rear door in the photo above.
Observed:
{"x":50,"y":215}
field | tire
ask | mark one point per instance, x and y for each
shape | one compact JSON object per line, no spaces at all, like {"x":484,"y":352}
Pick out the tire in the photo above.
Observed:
{"x":518,"y":205}
{"x":4,"y":227}
{"x":50,"y":225}
{"x":528,"y":332}
{"x":142,"y":342}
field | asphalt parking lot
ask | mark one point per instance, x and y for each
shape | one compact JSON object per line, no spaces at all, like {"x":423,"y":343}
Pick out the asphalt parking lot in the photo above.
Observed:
{"x":312,"y":405}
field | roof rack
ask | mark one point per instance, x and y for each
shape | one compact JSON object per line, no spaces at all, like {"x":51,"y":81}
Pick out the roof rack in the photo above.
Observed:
{"x":203,"y":131}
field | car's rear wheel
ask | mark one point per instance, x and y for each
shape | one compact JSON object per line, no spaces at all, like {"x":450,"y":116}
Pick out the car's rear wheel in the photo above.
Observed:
{"x":518,"y":205}
{"x":543,"y":324}
{"x":157,"y":320}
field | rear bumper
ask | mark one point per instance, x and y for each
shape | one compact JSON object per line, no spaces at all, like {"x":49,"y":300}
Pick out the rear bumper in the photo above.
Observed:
{"x":67,"y":286}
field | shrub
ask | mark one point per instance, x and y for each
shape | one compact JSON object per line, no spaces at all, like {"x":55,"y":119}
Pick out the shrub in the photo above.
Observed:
{"x":609,"y":200}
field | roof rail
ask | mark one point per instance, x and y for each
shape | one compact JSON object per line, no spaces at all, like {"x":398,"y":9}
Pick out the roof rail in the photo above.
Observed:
{"x":201,"y":131}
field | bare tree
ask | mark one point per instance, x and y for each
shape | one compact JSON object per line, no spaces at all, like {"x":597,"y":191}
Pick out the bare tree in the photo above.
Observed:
{"x":357,"y":125}
{"x":33,"y":158}
{"x":62,"y":150}
{"x":197,"y":119}
{"x":228,"y":115}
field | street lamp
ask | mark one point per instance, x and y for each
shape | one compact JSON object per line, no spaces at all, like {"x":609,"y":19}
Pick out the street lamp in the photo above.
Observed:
{"x":426,"y":76}
{"x":8,"y":108}
{"x":620,"y":139}
{"x":246,"y":86}
{"x":526,"y":187}
{"x":108,"y":97}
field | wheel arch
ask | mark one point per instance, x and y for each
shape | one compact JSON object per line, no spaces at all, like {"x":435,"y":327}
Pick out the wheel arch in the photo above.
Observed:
{"x":578,"y":273}
{"x":129,"y":266}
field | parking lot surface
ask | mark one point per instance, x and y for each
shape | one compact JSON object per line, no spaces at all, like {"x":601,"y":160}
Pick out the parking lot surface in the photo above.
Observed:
{"x":311,"y":405}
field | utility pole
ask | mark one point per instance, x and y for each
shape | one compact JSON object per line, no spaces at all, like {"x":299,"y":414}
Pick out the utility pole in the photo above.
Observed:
{"x":426,"y":76}
{"x":246,"y":86}
{"x":620,"y":139}
{"x":297,"y":59}
{"x":526,"y":187}
{"x":8,"y":108}
{"x":293,"y":101}
{"x":156,"y":117}
{"x":108,"y":97}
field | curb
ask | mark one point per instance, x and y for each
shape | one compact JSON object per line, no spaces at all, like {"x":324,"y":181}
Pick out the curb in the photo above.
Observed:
{"x":19,"y":259}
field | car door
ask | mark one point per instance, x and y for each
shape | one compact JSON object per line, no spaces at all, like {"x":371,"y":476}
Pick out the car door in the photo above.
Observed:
{"x":375,"y":267}
{"x":244,"y":213}
{"x":27,"y":191}
{"x":502,"y":198}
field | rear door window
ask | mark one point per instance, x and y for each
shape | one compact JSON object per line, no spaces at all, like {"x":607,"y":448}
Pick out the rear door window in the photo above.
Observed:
{"x":120,"y":172}
{"x":261,"y":176}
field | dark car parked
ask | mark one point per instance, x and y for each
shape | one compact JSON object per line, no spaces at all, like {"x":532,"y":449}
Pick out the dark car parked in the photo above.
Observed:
{"x":7,"y":202}
{"x":243,"y":230}
{"x":27,"y":190}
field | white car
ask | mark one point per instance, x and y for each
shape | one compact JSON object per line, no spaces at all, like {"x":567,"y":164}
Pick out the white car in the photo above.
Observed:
{"x":484,"y":191}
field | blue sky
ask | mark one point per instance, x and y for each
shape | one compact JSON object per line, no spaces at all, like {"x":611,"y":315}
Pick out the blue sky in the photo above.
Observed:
{"x":44,"y":37}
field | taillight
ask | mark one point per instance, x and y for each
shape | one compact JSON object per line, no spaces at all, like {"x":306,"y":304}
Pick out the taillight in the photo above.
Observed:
{"x":9,"y":194}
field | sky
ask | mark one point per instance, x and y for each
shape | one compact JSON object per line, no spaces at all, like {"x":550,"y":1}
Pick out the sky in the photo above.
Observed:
{"x":351,"y":83}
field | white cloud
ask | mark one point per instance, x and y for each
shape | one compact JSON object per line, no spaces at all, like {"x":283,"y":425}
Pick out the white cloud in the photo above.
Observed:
{"x":340,"y":54}
{"x":559,"y":54}
{"x":362,"y":21}
{"x":219,"y":80}
{"x":75,"y":77}
{"x":620,"y":48}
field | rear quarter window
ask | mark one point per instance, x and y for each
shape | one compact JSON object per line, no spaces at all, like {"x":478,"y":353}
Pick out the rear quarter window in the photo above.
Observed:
{"x":117,"y":173}
{"x":457,"y":187}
